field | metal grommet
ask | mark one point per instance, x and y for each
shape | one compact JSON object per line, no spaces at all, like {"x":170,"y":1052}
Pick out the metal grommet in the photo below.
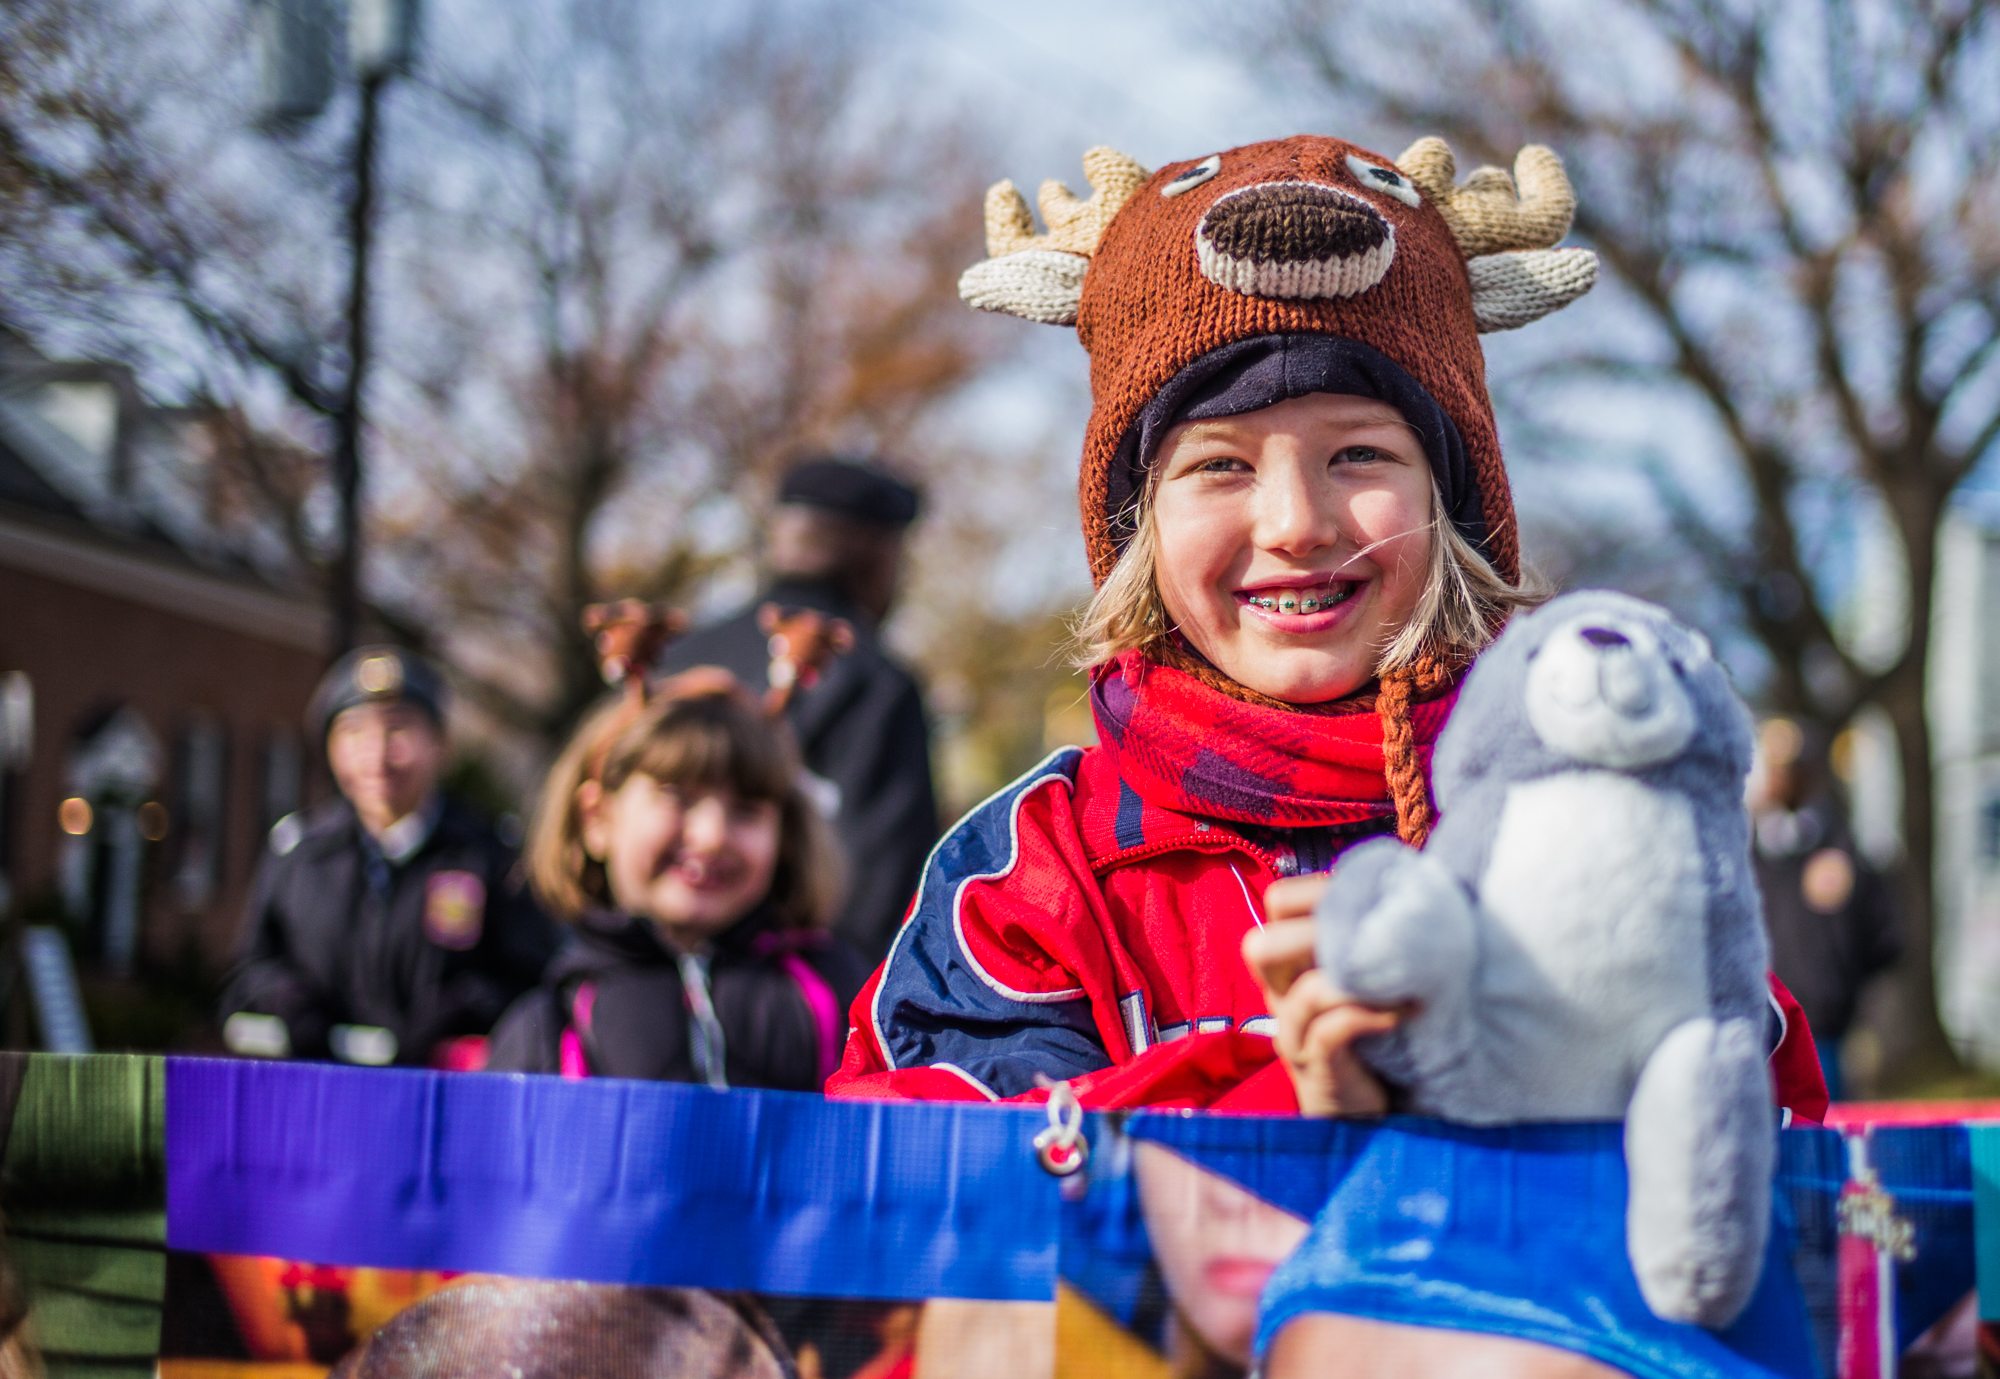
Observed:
{"x":1060,"y":1157}
{"x":1060,"y":1146}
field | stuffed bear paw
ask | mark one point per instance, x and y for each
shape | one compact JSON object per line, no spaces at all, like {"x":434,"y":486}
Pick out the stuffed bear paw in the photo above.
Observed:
{"x":1395,"y":928}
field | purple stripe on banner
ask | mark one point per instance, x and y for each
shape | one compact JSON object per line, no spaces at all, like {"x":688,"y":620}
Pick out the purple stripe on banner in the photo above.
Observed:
{"x":617,"y":1182}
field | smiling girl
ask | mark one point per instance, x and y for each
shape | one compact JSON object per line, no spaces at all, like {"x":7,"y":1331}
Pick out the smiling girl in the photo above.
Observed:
{"x":698,"y":879}
{"x":1301,"y":534}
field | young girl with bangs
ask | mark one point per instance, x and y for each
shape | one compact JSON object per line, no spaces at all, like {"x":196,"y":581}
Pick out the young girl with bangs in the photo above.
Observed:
{"x":697,"y":879}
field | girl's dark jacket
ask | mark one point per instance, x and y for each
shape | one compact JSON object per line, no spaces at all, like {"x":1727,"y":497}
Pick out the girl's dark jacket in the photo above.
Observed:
{"x":618,"y":988}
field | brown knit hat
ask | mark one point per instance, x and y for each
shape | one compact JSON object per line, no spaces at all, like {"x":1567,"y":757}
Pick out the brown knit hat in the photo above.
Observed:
{"x":1300,"y":236}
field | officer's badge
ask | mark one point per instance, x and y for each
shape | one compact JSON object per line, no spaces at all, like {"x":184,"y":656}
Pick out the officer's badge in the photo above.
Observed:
{"x":454,"y":909}
{"x":380,"y":677}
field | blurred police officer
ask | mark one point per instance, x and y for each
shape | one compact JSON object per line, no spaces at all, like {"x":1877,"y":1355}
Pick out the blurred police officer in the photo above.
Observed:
{"x":835,"y":544}
{"x":392,"y":920}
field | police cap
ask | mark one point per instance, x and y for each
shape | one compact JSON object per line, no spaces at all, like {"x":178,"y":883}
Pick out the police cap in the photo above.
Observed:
{"x":851,"y":488}
{"x":377,"y":675}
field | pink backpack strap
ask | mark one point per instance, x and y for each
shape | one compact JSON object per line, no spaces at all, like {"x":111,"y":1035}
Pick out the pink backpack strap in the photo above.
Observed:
{"x":574,"y":1062}
{"x":825,"y":1008}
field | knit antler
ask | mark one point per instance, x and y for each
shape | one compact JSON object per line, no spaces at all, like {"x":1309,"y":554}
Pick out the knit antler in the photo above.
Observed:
{"x":802,"y":641}
{"x":628,"y":636}
{"x":1507,"y":228}
{"x":1075,"y":226}
{"x":1040,"y":277}
{"x":1492,"y":212}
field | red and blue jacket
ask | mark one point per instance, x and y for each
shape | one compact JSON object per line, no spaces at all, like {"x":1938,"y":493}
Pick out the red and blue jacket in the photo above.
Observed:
{"x":1086,"y":923}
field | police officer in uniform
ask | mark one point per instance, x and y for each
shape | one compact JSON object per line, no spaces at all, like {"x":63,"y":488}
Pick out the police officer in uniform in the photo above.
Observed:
{"x":835,"y":545}
{"x":386,"y":924}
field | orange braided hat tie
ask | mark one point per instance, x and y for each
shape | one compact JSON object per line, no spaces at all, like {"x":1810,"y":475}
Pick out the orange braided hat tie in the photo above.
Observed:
{"x":1401,"y":763}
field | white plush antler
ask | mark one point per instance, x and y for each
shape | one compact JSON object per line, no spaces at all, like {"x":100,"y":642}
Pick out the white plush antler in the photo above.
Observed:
{"x":1510,"y":290}
{"x":1507,"y":228}
{"x":1040,"y":277}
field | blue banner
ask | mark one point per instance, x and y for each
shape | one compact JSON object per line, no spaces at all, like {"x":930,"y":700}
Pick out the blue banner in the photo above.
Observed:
{"x":1180,"y":1226}
{"x":608,"y":1181}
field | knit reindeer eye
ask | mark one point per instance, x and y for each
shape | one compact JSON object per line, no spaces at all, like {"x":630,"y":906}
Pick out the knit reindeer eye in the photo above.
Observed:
{"x":1383,"y":179}
{"x":1194,"y":176}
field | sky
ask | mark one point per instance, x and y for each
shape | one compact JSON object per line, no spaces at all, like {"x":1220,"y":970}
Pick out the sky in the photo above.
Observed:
{"x":1153,"y":80}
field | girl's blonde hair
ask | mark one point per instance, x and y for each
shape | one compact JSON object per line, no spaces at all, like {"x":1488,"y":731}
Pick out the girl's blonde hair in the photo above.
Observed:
{"x":709,"y":737}
{"x":1464,"y":603}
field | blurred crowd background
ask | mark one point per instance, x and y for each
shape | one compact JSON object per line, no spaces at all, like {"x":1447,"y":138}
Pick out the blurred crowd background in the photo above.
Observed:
{"x":626,"y":262}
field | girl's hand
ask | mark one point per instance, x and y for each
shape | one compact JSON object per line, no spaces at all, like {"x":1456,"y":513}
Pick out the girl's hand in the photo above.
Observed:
{"x":1317,"y":1025}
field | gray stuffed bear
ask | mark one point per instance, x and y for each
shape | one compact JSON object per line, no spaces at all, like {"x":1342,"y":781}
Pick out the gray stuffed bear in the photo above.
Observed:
{"x":1581,"y":938}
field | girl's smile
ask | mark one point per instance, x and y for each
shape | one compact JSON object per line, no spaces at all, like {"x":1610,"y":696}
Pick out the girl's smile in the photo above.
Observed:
{"x":1303,"y":606}
{"x":693,"y":861}
{"x":702,"y":873}
{"x":1293,"y":542}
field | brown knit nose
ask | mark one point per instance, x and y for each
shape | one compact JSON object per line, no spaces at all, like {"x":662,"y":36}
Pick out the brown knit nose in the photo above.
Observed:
{"x":1294,"y":240}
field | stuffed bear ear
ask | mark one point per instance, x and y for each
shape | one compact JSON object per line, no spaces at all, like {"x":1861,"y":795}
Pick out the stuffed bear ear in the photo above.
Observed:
{"x":1040,"y":277}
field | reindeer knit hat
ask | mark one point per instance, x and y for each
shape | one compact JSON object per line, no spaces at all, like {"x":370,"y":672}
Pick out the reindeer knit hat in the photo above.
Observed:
{"x":1275,"y":248}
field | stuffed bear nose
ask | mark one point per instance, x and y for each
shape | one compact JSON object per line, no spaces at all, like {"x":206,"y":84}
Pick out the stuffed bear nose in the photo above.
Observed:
{"x":1605,"y":637}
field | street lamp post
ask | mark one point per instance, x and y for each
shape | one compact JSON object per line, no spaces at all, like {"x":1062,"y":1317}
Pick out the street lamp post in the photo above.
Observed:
{"x":299,"y":63}
{"x":348,"y":424}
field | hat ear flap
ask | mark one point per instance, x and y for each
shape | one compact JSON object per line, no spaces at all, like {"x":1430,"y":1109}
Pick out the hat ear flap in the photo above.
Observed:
{"x":1043,"y":285}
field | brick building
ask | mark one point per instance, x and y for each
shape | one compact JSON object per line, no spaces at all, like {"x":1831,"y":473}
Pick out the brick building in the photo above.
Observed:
{"x":152,"y":679}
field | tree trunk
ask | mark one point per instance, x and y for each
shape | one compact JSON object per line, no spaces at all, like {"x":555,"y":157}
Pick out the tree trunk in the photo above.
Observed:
{"x":1915,"y":1046}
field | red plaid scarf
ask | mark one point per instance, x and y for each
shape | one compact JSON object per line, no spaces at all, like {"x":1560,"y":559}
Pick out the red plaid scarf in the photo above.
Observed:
{"x":1186,"y":747}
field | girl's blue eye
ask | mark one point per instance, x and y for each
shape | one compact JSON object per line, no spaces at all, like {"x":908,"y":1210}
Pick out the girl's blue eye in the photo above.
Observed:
{"x":1358,"y":454}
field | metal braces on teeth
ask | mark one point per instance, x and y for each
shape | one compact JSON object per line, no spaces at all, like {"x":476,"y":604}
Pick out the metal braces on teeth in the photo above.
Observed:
{"x":1290,"y":604}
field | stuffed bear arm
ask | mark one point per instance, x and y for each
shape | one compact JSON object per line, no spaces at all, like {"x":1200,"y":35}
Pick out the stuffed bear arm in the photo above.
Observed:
{"x":1396,"y":927}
